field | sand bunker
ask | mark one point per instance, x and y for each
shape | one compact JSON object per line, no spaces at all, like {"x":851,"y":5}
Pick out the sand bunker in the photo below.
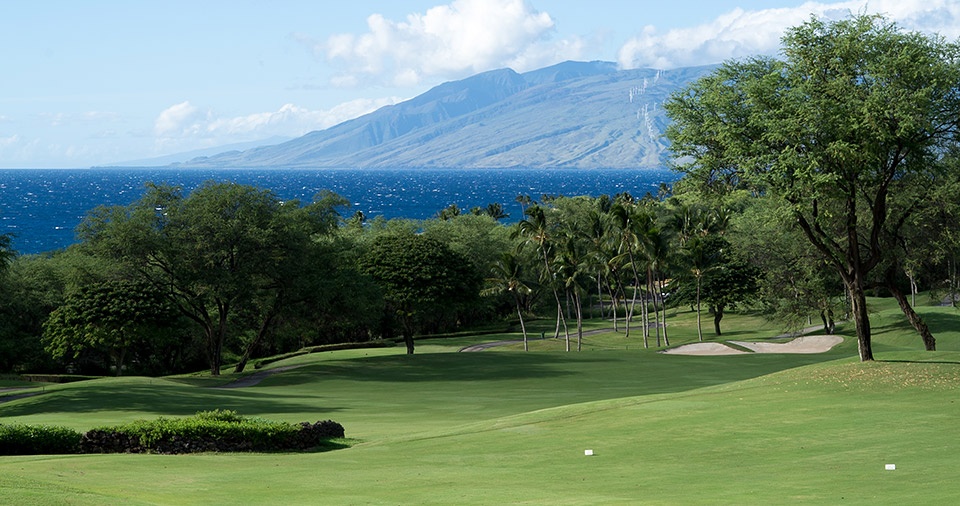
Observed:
{"x":703,"y":349}
{"x":803,"y":344}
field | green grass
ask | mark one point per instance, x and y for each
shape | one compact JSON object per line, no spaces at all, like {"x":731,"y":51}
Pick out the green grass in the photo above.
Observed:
{"x":511,"y":427}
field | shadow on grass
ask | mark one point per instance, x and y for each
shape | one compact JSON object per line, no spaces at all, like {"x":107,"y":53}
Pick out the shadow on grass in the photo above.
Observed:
{"x":162,"y":399}
{"x":948,"y":362}
{"x":444,"y":367}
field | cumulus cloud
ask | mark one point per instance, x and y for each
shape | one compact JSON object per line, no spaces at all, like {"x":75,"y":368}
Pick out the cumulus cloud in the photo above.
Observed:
{"x":9,"y":140}
{"x":184,"y":123}
{"x":448,"y":41}
{"x":180,"y":120}
{"x":741,"y":33}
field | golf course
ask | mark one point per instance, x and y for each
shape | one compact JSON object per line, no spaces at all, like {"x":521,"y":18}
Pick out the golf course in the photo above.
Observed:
{"x":612,"y":424}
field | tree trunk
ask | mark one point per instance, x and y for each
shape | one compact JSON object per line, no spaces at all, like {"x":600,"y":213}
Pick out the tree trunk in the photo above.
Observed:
{"x":556,"y":330}
{"x":826,"y":315}
{"x":699,"y":326}
{"x":666,"y":339}
{"x":913,"y":289}
{"x":121,"y":354}
{"x":613,"y":308}
{"x":578,"y":304}
{"x":252,"y":345}
{"x":717,"y":316}
{"x":861,"y":319}
{"x":645,"y":311}
{"x":600,"y":297}
{"x":522,"y":326}
{"x":929,"y":343}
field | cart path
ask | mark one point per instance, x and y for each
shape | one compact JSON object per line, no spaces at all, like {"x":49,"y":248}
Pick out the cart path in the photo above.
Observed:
{"x":257,"y":377}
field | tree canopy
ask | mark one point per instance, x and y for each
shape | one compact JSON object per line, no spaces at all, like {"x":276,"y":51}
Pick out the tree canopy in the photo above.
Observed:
{"x":847,"y":128}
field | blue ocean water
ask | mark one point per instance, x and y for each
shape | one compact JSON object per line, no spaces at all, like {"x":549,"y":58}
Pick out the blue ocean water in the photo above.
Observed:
{"x":42,"y":207}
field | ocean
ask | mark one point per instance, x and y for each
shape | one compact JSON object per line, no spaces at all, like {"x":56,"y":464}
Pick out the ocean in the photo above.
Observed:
{"x":41,"y":208}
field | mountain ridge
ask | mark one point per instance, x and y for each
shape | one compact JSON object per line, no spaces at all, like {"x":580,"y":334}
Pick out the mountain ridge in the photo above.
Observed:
{"x":568,"y":115}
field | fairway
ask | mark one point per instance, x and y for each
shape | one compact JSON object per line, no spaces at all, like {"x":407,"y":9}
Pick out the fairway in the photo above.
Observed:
{"x":508,"y":427}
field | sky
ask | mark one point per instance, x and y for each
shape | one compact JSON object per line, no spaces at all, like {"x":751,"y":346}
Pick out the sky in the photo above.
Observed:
{"x":105,"y":81}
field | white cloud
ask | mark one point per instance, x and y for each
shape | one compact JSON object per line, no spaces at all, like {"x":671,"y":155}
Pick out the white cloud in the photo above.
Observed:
{"x":740,"y":33}
{"x":12,"y":140}
{"x":448,"y":41}
{"x":185,"y":126}
{"x":179,"y":120}
{"x":293,"y":120}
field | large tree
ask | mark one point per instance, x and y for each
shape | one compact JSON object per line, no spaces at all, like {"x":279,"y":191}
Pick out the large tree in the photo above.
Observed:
{"x":110,"y":317}
{"x":855,"y":112}
{"x":223,"y":248}
{"x":422,"y":280}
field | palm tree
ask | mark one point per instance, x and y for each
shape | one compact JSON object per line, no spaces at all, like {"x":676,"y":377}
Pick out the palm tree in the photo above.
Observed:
{"x":495,"y":210}
{"x":656,"y":253}
{"x":698,"y":260}
{"x":622,"y":215}
{"x":535,"y":230}
{"x":449,"y":212}
{"x":506,"y":276}
{"x":524,"y":201}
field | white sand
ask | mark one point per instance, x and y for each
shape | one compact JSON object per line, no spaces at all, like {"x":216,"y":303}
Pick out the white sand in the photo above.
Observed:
{"x":803,"y":344}
{"x":703,"y":349}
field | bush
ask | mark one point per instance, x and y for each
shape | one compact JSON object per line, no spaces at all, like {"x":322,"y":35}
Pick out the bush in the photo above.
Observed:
{"x":219,"y":431}
{"x":19,"y":439}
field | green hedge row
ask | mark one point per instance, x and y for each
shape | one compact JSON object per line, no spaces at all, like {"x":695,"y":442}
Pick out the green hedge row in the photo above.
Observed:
{"x":20,"y":439}
{"x":207,"y":431}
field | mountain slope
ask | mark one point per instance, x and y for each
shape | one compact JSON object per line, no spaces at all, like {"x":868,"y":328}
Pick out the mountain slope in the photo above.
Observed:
{"x":574,"y":114}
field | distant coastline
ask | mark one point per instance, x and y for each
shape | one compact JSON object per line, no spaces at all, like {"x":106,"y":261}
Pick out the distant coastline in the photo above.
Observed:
{"x":41,"y":208}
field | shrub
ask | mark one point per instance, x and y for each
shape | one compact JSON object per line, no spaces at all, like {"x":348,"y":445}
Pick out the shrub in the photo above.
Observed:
{"x":19,"y":439}
{"x":221,"y":431}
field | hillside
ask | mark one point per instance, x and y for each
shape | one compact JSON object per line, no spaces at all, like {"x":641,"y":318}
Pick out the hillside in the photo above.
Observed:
{"x":570,"y":115}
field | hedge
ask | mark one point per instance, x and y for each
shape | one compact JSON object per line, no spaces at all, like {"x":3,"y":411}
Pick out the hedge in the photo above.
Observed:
{"x":20,"y":439}
{"x":207,"y":431}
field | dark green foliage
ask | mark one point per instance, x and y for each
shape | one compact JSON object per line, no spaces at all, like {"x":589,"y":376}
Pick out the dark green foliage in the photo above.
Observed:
{"x":111,"y":318}
{"x":425,"y":284}
{"x":232,"y":258}
{"x":218,"y":430}
{"x":848,"y":130}
{"x":20,"y":439}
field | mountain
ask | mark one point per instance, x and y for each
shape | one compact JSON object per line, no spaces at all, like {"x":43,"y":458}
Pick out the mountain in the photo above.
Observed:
{"x":569,"y":115}
{"x":161,"y":161}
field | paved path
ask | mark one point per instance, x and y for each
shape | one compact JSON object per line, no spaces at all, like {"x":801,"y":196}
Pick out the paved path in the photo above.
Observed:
{"x":257,"y":377}
{"x":9,"y":398}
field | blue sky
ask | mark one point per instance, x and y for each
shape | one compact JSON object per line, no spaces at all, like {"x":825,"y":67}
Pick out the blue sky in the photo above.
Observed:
{"x":97,"y":82}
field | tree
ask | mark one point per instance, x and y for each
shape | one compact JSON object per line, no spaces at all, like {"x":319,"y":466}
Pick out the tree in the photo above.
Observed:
{"x":421,"y":278}
{"x":855,"y":112}
{"x":110,"y":317}
{"x":537,"y":231}
{"x":728,"y":281}
{"x":214,"y":252}
{"x":795,"y":280}
{"x":494,"y":210}
{"x":507,"y":276}
{"x":700,"y":256}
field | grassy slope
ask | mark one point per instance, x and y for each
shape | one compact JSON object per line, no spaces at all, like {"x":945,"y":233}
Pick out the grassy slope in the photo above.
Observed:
{"x":488,"y":427}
